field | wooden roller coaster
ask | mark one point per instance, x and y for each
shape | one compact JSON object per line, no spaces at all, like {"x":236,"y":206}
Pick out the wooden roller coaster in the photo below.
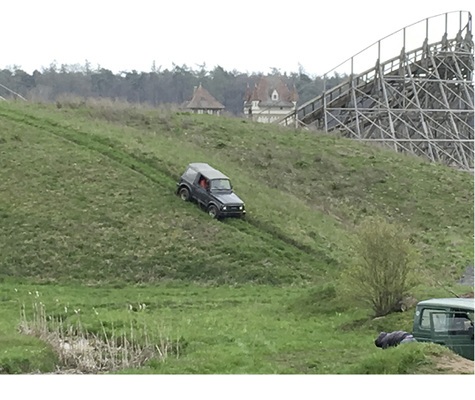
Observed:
{"x":419,"y":102}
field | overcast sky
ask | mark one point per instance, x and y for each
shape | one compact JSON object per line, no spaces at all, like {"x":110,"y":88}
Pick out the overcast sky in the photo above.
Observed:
{"x":246,"y":35}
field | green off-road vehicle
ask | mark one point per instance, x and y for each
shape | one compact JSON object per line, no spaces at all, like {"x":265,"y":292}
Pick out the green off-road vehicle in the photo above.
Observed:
{"x":211,"y":189}
{"x":448,"y":322}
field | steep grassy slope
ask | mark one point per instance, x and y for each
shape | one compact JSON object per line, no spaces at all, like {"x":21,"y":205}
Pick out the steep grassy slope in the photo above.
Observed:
{"x":87,"y":193}
{"x":68,"y":212}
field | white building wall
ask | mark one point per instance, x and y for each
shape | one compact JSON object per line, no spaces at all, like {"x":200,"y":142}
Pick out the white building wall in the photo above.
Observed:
{"x":269,"y":115}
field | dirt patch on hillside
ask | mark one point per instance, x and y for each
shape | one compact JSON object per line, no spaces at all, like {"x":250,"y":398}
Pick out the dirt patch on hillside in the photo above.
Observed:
{"x":454,"y":365}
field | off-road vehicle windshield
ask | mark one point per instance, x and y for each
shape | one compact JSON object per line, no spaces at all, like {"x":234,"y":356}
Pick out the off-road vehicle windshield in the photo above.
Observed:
{"x":220,"y":184}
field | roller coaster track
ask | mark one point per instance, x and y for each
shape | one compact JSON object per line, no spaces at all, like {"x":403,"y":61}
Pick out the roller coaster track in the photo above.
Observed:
{"x":420,"y":102}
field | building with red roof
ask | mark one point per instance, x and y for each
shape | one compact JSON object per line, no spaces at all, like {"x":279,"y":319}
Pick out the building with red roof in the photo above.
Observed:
{"x":203,"y":103}
{"x":270,"y":100}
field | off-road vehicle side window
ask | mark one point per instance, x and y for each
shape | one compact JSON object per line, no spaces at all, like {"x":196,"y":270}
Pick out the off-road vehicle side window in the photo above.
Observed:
{"x":459,"y":324}
{"x":203,"y":182}
{"x":452,"y":322}
{"x":220,"y":184}
{"x":439,"y":319}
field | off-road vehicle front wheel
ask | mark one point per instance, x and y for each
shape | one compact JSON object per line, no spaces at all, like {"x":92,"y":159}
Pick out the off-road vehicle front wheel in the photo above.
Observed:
{"x":213,"y":211}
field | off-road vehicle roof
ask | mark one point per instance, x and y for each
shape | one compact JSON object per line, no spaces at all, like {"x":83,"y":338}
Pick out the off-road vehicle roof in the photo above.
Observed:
{"x":208,"y":171}
{"x":462,"y":303}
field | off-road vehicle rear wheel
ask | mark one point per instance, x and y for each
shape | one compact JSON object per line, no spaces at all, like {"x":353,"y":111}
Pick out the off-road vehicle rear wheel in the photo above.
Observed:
{"x":184,"y":194}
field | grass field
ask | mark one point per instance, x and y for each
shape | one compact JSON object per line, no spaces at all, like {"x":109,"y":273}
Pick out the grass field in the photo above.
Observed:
{"x":216,"y":330}
{"x":90,"y":222}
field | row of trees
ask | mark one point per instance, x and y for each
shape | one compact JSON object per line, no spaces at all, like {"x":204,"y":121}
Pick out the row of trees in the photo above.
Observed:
{"x":157,"y":87}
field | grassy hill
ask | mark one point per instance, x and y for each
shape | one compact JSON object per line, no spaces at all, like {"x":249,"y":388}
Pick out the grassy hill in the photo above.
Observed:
{"x":87,"y":192}
{"x":87,"y":198}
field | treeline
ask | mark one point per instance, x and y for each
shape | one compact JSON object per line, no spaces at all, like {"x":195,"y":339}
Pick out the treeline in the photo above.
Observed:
{"x":157,"y":87}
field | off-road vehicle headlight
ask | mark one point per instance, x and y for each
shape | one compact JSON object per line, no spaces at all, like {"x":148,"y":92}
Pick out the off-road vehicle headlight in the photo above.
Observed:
{"x":224,"y":208}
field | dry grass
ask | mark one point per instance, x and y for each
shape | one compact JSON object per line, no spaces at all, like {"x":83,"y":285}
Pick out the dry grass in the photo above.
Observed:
{"x":84,"y":352}
{"x":454,"y":364}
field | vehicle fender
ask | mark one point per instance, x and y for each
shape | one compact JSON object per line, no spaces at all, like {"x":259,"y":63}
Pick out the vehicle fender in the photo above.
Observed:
{"x":214,"y":203}
{"x":182,"y":185}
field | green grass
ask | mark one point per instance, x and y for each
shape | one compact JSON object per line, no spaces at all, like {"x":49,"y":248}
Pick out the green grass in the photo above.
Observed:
{"x":90,"y":220}
{"x":25,"y":354}
{"x":219,"y":330}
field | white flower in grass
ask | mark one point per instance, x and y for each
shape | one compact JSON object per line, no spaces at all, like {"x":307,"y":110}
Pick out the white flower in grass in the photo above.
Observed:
{"x":15,"y":289}
{"x":65,"y":309}
{"x":37,"y":294}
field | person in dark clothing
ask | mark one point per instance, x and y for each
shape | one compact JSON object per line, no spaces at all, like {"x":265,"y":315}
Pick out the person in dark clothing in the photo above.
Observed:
{"x":385,"y":340}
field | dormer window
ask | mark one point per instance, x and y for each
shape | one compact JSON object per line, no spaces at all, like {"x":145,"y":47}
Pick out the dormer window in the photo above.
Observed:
{"x":275,"y":95}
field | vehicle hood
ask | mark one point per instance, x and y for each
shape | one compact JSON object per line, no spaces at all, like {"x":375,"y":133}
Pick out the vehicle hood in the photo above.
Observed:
{"x":228,"y":198}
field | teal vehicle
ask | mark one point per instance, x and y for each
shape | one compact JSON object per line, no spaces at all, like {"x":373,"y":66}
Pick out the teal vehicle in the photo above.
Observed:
{"x":448,"y":322}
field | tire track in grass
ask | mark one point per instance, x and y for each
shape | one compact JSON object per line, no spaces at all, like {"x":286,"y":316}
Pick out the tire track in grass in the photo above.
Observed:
{"x":93,"y":142}
{"x":105,"y":147}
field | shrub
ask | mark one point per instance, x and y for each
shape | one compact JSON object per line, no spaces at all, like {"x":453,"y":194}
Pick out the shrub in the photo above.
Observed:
{"x":385,"y":263}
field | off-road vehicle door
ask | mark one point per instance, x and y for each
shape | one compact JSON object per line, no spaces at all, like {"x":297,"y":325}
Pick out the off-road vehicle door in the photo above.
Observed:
{"x":201,"y":193}
{"x":453,"y":329}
